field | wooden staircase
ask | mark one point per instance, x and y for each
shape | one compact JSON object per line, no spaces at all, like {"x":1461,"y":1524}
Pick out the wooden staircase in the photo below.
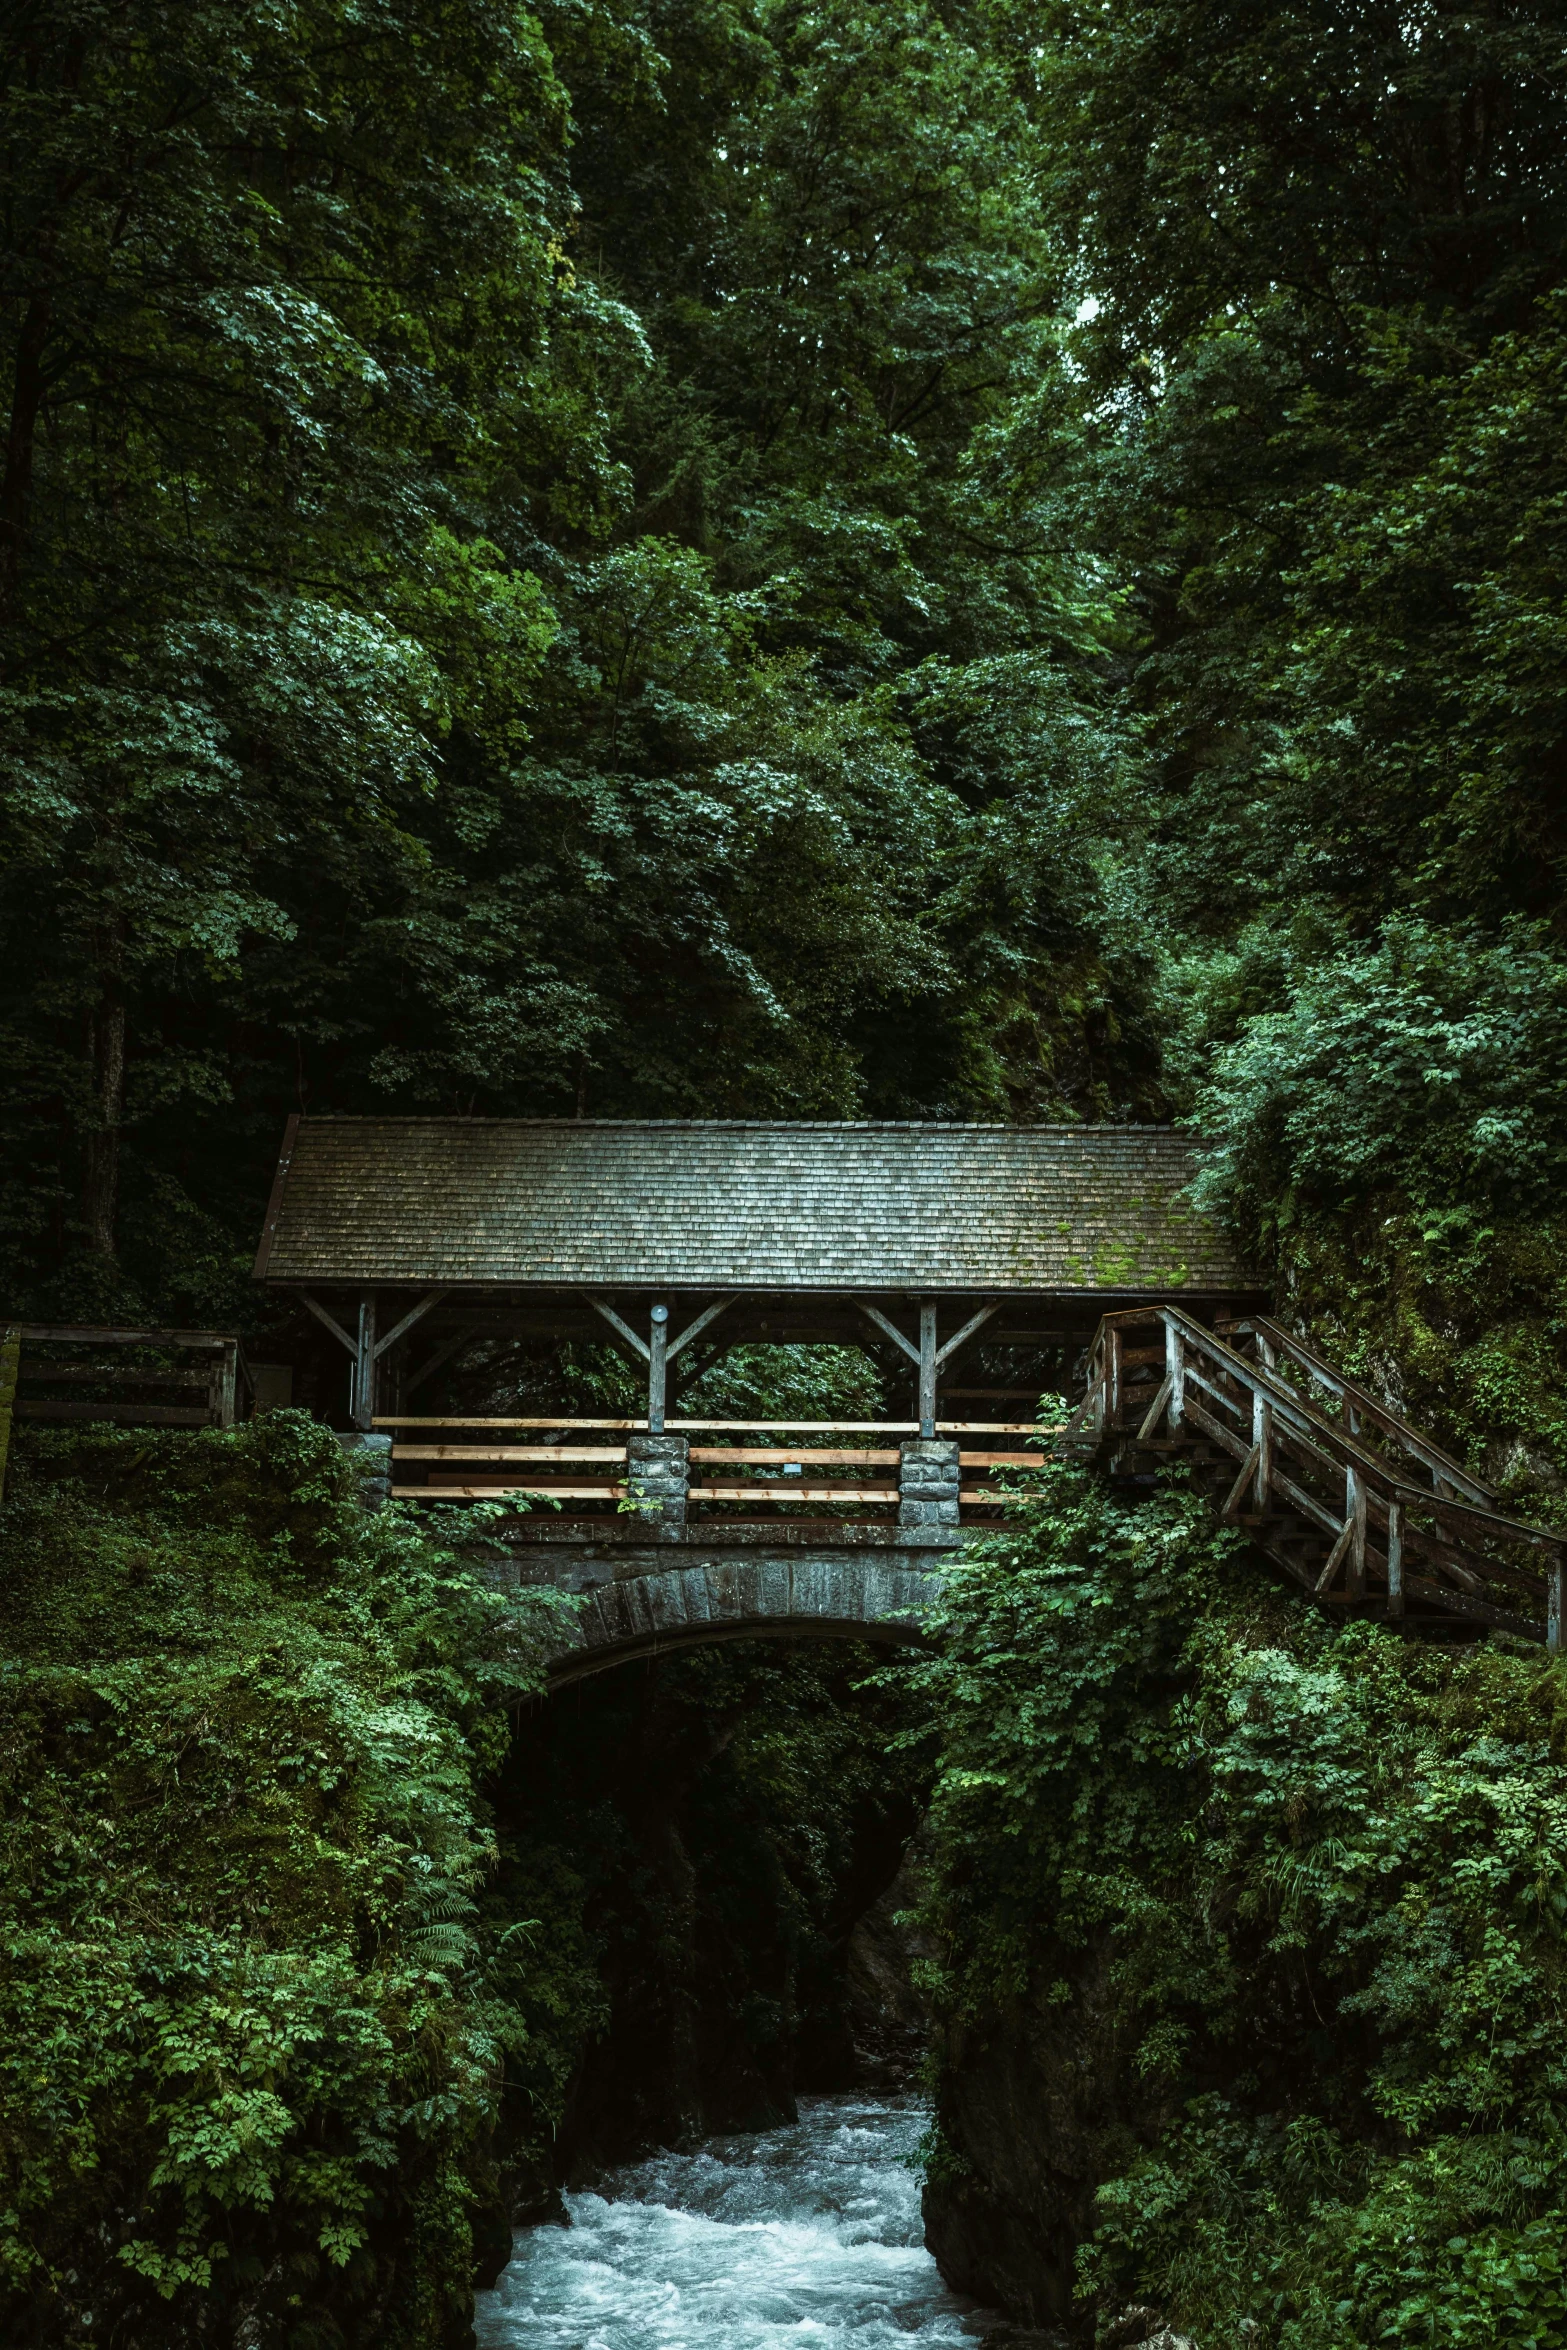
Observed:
{"x":1361,"y":1510}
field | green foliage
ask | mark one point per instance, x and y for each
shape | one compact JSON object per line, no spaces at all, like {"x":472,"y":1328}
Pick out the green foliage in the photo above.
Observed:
{"x":1308,"y":417}
{"x":491,"y":625}
{"x":1304,"y":1887}
{"x":251,"y":2032}
{"x":1433,"y":1064}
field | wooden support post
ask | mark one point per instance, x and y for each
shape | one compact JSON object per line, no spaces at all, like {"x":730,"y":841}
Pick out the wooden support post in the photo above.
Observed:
{"x":10,"y":1368}
{"x":927,"y":1394}
{"x":225,"y":1386}
{"x":657,"y":1369}
{"x":1355,"y":1514}
{"x":1175,"y":1373}
{"x":1262,"y":1438}
{"x":1112,"y":1379}
{"x":361,"y":1398}
{"x":1395,"y":1560}
{"x":1553,"y":1603}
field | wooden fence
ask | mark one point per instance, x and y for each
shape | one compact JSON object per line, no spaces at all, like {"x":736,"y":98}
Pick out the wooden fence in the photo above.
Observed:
{"x":48,"y":1372}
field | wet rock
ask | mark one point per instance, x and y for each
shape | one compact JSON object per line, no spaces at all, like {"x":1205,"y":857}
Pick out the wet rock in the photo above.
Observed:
{"x":889,"y":2018}
{"x":1035,"y":2107}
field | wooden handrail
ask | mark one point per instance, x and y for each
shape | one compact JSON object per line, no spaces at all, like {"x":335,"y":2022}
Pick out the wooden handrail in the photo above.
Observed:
{"x":1374,"y":1499}
{"x":221,"y":1376}
{"x":1418,"y":1446}
{"x":737,"y":1427}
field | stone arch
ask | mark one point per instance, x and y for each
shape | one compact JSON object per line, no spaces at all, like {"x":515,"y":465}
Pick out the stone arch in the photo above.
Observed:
{"x":743,"y":1599}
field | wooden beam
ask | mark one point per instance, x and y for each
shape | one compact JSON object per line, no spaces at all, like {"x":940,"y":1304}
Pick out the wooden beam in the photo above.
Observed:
{"x":1155,"y":1412}
{"x":1262,"y":1442}
{"x":398,"y":1328}
{"x":1237,"y":1490}
{"x":508,"y":1493}
{"x":471,"y":1420}
{"x":92,"y":1334}
{"x":693,"y":1372}
{"x":1395,"y":1560}
{"x":961,"y":1337}
{"x":927,"y":1362}
{"x":762,"y":1456}
{"x":657,"y":1368}
{"x":321,"y":1315}
{"x":740,"y":1427}
{"x":1273,"y":1339}
{"x":638,"y":1345}
{"x":1335,"y":1555}
{"x":875,"y":1314}
{"x":475,"y":1455}
{"x":792,"y":1492}
{"x":361,"y":1387}
{"x":694,"y":1329}
{"x":223,"y":1392}
{"x":1175,"y":1373}
{"x":1355,"y":1511}
{"x":1510,"y":1529}
{"x":127,"y":1415}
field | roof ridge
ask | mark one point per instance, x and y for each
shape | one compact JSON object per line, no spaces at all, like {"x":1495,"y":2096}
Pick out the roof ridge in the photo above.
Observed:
{"x":761,"y":1125}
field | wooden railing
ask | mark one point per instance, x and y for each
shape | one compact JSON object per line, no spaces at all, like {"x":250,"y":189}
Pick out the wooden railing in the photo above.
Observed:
{"x":1358,"y":1506}
{"x":562,"y":1459}
{"x":49,"y":1355}
{"x":137,"y":1394}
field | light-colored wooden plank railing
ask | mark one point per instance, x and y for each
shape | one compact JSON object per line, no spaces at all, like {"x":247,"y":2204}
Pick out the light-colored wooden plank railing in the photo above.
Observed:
{"x":471,"y":1459}
{"x":1348,"y":1519}
{"x":738,"y":1427}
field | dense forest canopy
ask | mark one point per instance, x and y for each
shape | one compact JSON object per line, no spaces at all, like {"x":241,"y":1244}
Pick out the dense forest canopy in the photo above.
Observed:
{"x":747,"y":558}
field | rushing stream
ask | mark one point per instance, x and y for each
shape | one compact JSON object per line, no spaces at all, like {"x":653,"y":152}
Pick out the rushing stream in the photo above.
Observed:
{"x":803,"y":2236}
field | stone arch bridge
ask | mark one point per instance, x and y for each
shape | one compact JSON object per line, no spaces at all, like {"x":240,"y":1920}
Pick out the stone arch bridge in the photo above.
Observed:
{"x":648,"y":1604}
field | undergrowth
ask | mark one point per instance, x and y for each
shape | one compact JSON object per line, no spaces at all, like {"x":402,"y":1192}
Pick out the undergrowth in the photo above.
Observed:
{"x":252,"y":2027}
{"x":1321,"y":1875}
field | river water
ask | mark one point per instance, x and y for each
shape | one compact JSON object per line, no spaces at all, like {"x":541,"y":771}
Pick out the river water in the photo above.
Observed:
{"x":807,"y":2236}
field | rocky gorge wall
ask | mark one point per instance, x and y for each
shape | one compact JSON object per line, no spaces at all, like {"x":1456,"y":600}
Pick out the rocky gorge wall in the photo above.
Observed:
{"x":713,"y":1846}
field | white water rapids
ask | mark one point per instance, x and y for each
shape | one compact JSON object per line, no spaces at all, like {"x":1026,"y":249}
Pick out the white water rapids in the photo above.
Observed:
{"x":807,"y":2236}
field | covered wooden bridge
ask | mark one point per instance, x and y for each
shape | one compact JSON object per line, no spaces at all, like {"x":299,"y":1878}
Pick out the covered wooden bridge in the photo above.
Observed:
{"x":411,"y":1239}
{"x":934,"y":1245}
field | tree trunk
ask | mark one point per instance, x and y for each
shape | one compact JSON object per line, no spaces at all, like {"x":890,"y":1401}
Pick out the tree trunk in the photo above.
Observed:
{"x":16,"y":481}
{"x":101,"y":1168}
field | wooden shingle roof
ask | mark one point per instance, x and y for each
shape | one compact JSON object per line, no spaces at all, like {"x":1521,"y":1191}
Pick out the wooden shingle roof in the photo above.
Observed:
{"x":742,"y":1205}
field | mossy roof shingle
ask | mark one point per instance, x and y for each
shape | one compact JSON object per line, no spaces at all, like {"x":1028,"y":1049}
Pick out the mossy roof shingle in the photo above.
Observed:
{"x":742,"y":1205}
